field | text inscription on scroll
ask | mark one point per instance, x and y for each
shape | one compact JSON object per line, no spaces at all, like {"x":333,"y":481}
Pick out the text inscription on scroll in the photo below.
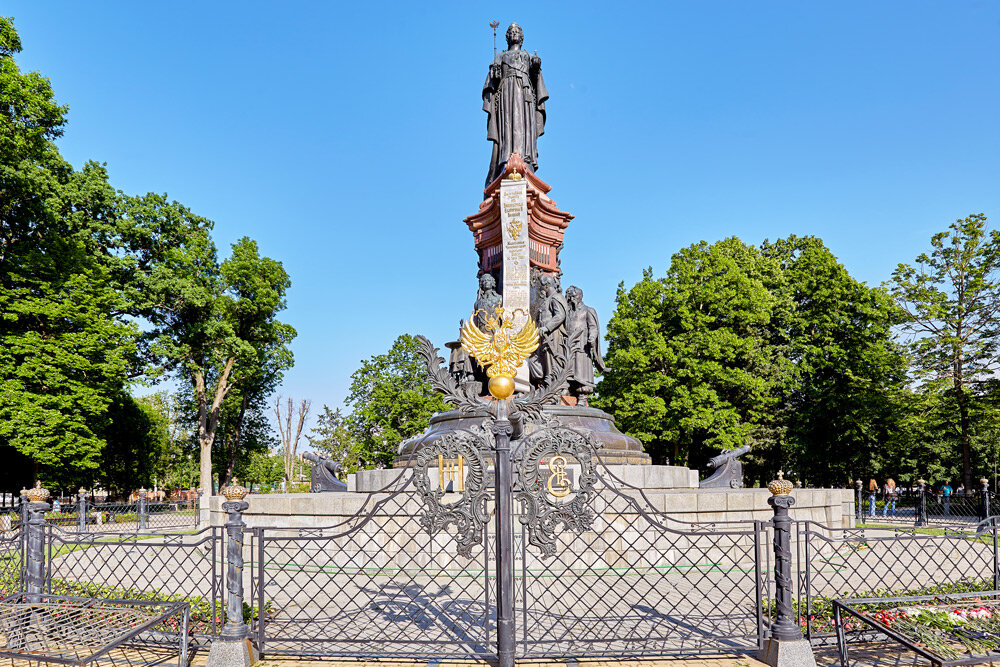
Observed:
{"x":516,"y":264}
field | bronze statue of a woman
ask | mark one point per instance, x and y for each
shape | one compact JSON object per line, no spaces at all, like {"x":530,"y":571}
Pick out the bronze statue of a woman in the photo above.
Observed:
{"x":514,"y":99}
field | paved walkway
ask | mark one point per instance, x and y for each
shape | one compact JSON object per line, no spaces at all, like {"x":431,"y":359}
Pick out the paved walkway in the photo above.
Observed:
{"x":707,"y":661}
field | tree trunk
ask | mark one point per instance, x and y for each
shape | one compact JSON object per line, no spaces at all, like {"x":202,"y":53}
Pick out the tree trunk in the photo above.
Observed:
{"x":208,"y":421}
{"x":233,"y":445}
{"x":966,"y":438}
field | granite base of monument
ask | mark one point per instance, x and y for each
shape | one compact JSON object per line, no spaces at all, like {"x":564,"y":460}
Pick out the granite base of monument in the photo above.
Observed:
{"x":613,"y":446}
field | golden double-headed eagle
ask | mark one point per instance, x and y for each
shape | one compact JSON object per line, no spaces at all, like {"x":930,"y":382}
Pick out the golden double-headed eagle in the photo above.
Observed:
{"x":499,"y":350}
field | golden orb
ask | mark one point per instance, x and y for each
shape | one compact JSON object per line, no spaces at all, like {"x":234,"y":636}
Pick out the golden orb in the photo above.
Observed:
{"x":501,"y":387}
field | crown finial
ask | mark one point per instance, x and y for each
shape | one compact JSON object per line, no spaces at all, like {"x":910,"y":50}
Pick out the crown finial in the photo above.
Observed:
{"x":37,"y":494}
{"x":234,"y":492}
{"x":780,"y":486}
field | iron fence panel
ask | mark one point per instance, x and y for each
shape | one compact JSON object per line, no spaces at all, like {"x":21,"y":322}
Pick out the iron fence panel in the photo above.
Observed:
{"x":860,"y":562}
{"x":127,"y":517}
{"x":963,"y":509}
{"x":171,"y":514}
{"x":374,"y":584}
{"x":11,"y":561}
{"x":637,"y":582}
{"x":183,"y":567}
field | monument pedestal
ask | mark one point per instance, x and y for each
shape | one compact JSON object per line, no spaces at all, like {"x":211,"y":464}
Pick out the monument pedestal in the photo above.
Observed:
{"x":613,"y":446}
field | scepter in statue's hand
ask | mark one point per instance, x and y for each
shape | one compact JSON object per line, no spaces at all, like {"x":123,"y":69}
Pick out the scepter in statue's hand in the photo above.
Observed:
{"x":494,"y":24}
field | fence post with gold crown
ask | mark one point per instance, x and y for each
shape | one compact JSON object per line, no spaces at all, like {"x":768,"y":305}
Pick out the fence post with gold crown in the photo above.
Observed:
{"x":37,"y":507}
{"x":786,"y":647}
{"x":233,"y":647}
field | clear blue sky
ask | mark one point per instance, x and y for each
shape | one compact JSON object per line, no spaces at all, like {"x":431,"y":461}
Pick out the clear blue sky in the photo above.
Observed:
{"x":348,"y":139}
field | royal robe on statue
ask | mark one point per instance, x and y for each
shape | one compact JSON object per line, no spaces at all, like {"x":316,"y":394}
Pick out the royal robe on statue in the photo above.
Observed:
{"x":514,"y":99}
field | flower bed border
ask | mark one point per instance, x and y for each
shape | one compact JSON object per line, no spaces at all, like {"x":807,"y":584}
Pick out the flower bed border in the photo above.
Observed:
{"x":841,"y":606}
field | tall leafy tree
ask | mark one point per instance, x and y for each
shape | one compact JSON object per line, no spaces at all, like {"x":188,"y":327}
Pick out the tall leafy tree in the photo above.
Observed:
{"x":690,"y":367}
{"x":776,"y":347}
{"x":215,"y":323}
{"x":391,"y":399}
{"x":843,"y":410}
{"x":951,"y":300}
{"x":64,"y":351}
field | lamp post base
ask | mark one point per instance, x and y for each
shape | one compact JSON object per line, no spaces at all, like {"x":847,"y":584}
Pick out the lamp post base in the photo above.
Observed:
{"x":787,"y":653}
{"x":224,"y":653}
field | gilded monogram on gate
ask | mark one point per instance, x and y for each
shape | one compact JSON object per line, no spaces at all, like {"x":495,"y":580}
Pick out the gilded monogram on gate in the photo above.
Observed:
{"x":557,"y":484}
{"x":461,"y":469}
{"x":546,"y":492}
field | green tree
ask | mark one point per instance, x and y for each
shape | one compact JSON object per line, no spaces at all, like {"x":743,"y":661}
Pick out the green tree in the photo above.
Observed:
{"x":261,"y":470}
{"x":176,"y":464}
{"x":843,"y":410}
{"x":136,"y":437}
{"x":65,"y":352}
{"x":690,"y":364}
{"x":215,"y":324}
{"x":391,"y":399}
{"x":332,"y":437}
{"x":951,"y":301}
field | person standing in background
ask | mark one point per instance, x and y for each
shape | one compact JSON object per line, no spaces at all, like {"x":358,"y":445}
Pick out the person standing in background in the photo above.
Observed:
{"x":891,"y":493}
{"x":872,"y":491}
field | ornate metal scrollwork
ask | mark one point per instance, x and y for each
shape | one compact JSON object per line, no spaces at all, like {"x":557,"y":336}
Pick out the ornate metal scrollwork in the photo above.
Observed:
{"x":548,"y":497}
{"x":464,"y":398}
{"x":549,"y":393}
{"x":461,"y":451}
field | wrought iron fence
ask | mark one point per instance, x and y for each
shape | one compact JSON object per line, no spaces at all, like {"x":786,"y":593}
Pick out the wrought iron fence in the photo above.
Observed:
{"x":918,"y":506}
{"x":637,"y":582}
{"x":860,"y":562}
{"x":376,"y":583}
{"x":634,"y":583}
{"x":142,"y":515}
{"x":173,"y":567}
{"x":631,"y":582}
{"x":12,"y":547}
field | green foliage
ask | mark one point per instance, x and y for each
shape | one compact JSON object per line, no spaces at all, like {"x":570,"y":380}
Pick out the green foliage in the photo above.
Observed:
{"x":176,"y":461}
{"x":262,"y":470}
{"x":821,"y":607}
{"x":778,"y":348}
{"x":951,"y":301}
{"x":690,"y":364}
{"x":843,"y":412}
{"x":98,"y":288}
{"x":136,"y":437}
{"x":332,"y":437}
{"x":391,"y":399}
{"x":64,"y":356}
{"x":203,"y":611}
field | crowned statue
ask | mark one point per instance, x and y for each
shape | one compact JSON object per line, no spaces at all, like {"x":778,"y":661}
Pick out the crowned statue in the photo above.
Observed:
{"x":514,"y":100}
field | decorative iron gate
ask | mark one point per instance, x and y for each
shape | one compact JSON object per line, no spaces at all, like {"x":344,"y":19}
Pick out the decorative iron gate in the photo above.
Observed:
{"x":637,"y":582}
{"x":377,"y":583}
{"x":596,"y":567}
